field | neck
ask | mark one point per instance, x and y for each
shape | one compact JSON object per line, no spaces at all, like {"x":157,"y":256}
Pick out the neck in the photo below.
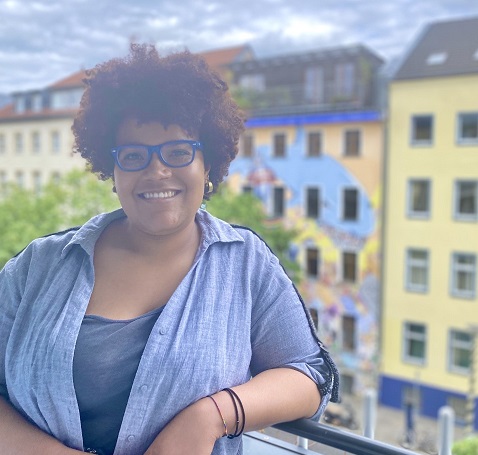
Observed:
{"x":154,"y":247}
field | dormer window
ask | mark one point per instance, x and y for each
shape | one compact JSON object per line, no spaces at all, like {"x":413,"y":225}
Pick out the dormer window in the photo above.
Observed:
{"x":20,"y":105}
{"x":437,"y":58}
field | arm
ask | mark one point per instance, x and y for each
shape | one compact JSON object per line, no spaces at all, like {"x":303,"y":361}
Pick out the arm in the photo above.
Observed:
{"x":19,"y":437}
{"x":274,"y":396}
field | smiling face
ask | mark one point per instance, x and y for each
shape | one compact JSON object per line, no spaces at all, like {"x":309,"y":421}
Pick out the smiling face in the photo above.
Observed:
{"x":159,"y":200}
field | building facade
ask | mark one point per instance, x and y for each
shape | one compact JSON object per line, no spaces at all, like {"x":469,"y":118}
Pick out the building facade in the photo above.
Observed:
{"x":312,"y":152}
{"x":430,"y":242}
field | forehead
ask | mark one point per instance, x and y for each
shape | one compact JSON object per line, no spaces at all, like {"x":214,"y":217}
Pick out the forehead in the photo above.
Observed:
{"x":131,"y":131}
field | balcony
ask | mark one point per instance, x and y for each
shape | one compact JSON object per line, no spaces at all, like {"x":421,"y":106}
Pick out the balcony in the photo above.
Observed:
{"x":333,"y":441}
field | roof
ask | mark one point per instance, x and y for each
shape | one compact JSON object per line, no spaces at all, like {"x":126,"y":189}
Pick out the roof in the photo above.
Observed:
{"x":74,"y":80}
{"x":446,"y":48}
{"x":323,"y":54}
{"x":220,"y":58}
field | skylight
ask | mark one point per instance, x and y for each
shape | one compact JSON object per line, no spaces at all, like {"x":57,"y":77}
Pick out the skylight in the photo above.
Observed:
{"x":437,"y":58}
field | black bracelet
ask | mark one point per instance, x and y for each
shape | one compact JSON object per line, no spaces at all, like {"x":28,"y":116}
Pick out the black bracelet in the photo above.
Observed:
{"x":234,"y":397}
{"x":235,"y":434}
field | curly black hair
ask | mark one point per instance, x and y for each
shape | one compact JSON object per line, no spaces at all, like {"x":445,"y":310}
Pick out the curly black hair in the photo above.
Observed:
{"x":177,"y":89}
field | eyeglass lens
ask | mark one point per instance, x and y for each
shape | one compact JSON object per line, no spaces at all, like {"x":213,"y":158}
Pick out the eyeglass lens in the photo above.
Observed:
{"x":137,"y":156}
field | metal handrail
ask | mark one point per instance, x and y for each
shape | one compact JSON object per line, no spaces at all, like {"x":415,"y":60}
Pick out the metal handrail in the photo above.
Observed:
{"x":339,"y":439}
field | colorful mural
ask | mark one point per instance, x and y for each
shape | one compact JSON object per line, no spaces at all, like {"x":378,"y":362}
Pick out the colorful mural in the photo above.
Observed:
{"x":327,"y":296}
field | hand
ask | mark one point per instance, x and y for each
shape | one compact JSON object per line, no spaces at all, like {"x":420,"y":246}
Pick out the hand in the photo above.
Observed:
{"x":193,"y":431}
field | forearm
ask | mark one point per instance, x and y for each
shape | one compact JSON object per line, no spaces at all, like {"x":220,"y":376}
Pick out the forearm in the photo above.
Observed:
{"x":19,"y":437}
{"x":277,"y":395}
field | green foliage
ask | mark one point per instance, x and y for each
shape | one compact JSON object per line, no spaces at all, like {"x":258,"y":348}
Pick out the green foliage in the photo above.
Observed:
{"x":468,"y":446}
{"x":26,"y":215}
{"x":247,"y":210}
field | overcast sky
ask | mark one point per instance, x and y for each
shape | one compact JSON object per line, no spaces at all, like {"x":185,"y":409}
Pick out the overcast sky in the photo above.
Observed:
{"x":42,"y":41}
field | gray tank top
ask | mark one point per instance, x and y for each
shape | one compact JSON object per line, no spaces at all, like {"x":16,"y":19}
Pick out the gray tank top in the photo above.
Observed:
{"x":107,"y":355}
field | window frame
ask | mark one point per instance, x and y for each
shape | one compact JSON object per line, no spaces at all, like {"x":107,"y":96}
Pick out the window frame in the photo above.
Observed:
{"x":272,"y":205}
{"x":343,"y":204}
{"x":409,"y":194}
{"x":454,"y":292}
{"x":459,"y":129}
{"x":275,"y":138}
{"x":456,"y":201}
{"x":345,"y":279}
{"x":458,"y":344}
{"x":316,"y":275}
{"x":349,"y":338}
{"x":421,"y":142}
{"x":247,"y":139}
{"x":319,"y":153}
{"x":307,"y":214}
{"x":409,"y":263}
{"x":409,"y":336}
{"x":345,"y":149}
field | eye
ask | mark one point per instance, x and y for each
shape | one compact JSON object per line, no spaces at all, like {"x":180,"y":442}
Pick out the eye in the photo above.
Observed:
{"x":132,"y":154}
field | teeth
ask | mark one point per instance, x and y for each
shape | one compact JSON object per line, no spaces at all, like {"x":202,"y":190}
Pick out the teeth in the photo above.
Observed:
{"x":160,"y":195}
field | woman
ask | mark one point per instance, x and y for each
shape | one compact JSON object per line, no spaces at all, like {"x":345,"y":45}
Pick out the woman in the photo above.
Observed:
{"x":139,"y":332}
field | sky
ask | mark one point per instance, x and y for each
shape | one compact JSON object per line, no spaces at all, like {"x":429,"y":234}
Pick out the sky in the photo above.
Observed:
{"x":42,"y":41}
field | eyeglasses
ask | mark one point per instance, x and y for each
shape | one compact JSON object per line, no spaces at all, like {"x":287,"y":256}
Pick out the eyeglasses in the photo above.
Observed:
{"x":172,"y":153}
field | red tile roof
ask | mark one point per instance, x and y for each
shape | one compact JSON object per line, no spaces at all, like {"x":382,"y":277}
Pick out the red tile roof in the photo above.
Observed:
{"x":74,"y":80}
{"x":218,"y":59}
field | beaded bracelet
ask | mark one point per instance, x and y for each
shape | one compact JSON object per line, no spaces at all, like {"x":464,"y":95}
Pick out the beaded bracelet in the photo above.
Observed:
{"x":222,"y":417}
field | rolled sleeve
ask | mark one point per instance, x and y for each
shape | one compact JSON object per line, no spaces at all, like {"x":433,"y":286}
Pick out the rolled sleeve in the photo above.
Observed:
{"x":283,"y":335}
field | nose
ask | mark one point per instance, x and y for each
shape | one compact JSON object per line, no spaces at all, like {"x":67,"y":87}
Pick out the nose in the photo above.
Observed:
{"x":158,"y":167}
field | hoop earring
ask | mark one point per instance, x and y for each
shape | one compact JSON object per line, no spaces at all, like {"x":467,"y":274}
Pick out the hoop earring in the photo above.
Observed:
{"x":208,"y":187}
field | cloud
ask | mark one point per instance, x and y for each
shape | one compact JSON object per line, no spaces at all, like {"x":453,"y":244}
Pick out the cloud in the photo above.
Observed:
{"x":43,"y":41}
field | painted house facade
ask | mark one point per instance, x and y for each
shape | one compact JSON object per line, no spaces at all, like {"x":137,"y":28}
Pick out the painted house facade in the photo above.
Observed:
{"x":430,"y":276}
{"x":312,"y":152}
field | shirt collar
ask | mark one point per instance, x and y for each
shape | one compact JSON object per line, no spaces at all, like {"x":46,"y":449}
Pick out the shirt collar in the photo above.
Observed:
{"x":213,"y":230}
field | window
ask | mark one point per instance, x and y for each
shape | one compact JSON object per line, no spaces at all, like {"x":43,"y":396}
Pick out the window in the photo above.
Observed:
{"x":279,"y":145}
{"x":459,"y":405}
{"x":247,"y":189}
{"x":422,"y":130}
{"x":314,"y":144}
{"x":344,"y":81}
{"x":19,"y":179}
{"x":36,"y":142}
{"x":466,"y":200}
{"x":247,"y":148}
{"x":348,"y":333}
{"x":419,"y":198}
{"x":55,"y":142}
{"x":314,"y":85}
{"x":312,"y":262}
{"x":463,"y":275}
{"x":37,"y":102}
{"x":3,"y":180}
{"x":3,"y":147}
{"x":37,"y":181}
{"x":352,"y":143}
{"x":467,"y":128}
{"x":417,"y":264}
{"x":312,"y":202}
{"x":349,"y":266}
{"x":18,"y":143}
{"x":350,"y":204}
{"x":459,"y":351}
{"x":55,"y":178}
{"x":415,"y":339}
{"x":255,"y":82}
{"x":66,"y":99}
{"x":278,"y":201}
{"x":346,"y":383}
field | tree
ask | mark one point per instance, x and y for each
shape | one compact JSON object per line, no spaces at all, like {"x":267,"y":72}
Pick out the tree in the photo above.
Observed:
{"x":246,"y":210}
{"x":26,"y":214}
{"x":468,"y":446}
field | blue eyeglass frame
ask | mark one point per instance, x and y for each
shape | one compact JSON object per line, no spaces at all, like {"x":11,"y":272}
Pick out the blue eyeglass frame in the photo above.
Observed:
{"x":196,"y":145}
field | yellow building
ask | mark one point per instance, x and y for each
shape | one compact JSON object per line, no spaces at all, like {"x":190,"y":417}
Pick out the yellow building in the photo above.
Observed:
{"x":430,"y":269}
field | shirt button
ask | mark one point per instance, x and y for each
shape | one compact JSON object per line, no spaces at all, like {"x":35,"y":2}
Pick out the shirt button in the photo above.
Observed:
{"x":144,"y":388}
{"x":163,"y":330}
{"x":130,"y":438}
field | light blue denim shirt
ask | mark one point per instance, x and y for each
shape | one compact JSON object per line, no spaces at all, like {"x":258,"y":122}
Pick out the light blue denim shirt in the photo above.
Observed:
{"x":235,"y":314}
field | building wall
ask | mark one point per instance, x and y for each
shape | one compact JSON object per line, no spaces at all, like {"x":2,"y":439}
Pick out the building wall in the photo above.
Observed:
{"x":328,"y":295}
{"x":52,"y":156}
{"x":441,"y":162}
